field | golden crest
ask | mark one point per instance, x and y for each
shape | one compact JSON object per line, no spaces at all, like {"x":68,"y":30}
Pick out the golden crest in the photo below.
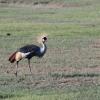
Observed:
{"x":42,"y":35}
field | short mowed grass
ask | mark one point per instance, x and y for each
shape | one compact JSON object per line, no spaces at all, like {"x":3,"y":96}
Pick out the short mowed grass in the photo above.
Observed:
{"x":73,"y":29}
{"x":83,"y":93}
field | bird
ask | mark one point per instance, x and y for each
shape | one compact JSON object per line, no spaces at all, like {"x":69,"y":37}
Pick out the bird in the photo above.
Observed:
{"x":29,"y":51}
{"x":8,"y":34}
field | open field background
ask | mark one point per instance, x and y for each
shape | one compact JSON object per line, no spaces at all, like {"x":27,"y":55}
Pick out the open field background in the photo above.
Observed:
{"x":70,"y":70}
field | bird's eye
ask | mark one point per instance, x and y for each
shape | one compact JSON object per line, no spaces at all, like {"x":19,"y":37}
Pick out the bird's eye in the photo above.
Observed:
{"x":45,"y":38}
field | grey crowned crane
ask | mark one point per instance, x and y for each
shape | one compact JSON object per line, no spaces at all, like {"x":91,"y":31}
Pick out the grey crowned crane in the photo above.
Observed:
{"x":29,"y":51}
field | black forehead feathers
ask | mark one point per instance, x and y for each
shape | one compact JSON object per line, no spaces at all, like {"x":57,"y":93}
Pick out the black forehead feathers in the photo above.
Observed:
{"x":45,"y":38}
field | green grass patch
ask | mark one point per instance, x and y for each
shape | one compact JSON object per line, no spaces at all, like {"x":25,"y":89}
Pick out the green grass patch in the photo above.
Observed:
{"x":87,"y":93}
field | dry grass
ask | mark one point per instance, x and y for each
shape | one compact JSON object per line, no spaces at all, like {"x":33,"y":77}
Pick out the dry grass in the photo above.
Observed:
{"x":71,"y":64}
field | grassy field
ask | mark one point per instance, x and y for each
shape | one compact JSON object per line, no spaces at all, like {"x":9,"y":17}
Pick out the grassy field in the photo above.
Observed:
{"x":70,"y":70}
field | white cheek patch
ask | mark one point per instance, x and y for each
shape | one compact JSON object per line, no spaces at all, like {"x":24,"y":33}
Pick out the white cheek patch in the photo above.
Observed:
{"x":25,"y":54}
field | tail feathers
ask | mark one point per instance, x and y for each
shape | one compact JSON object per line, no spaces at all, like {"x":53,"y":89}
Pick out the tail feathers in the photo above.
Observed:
{"x":12,"y":57}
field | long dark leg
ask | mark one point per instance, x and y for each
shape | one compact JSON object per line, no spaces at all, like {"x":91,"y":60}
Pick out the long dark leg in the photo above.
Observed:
{"x":16,"y":68}
{"x":29,"y":65}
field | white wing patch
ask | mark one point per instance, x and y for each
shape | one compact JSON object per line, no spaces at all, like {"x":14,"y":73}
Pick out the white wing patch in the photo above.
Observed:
{"x":25,"y":54}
